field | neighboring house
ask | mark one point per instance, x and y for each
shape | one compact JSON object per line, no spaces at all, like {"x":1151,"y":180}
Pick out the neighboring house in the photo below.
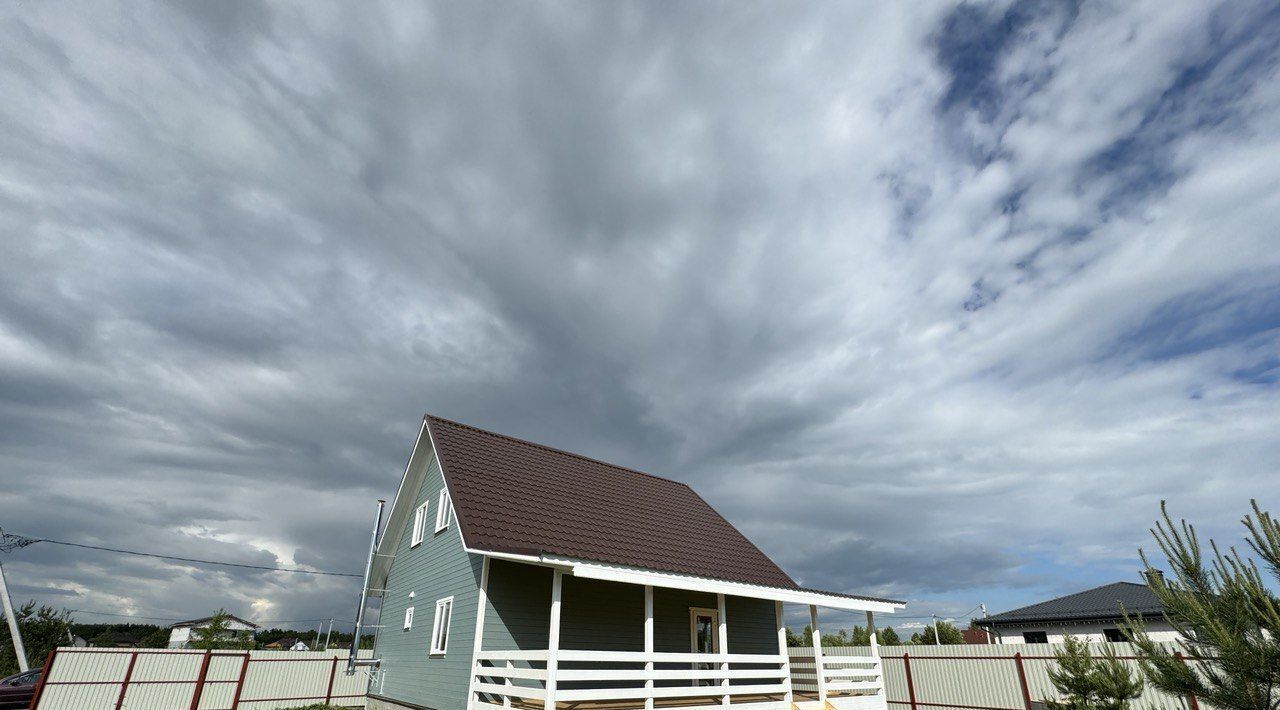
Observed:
{"x":517,"y":575}
{"x":978,"y":637}
{"x":180,"y":633}
{"x":287,"y":644}
{"x":1092,"y":615}
{"x":116,"y":639}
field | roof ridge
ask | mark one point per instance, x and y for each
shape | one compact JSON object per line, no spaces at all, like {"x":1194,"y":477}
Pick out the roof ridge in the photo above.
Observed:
{"x":564,"y":452}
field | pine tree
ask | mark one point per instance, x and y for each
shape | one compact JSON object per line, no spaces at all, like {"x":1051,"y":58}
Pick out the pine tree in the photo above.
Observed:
{"x":888,"y":637}
{"x":1229,"y":620}
{"x":1088,"y":683}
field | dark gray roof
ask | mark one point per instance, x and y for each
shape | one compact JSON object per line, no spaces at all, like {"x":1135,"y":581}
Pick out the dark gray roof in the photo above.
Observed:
{"x":1099,"y":603}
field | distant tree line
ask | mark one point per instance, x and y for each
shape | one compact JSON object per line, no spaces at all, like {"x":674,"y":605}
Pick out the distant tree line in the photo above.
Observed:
{"x":856,"y":636}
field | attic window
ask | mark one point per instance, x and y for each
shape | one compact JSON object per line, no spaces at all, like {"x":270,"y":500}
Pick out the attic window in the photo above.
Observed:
{"x":444,"y":511}
{"x":408,"y":618}
{"x":440,"y":630}
{"x":419,"y":525}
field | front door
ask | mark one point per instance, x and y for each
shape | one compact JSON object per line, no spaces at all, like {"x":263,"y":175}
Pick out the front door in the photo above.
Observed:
{"x":704,"y":636}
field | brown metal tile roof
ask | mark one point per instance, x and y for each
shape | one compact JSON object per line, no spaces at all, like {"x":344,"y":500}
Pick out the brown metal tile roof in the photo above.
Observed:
{"x":519,"y":497}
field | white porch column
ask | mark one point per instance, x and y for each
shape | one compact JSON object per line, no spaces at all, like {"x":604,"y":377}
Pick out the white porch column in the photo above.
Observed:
{"x":553,"y":640}
{"x":648,"y":645}
{"x":871,"y":631}
{"x":817,"y":654}
{"x":784,"y":652}
{"x":477,"y":645}
{"x":724,"y":647}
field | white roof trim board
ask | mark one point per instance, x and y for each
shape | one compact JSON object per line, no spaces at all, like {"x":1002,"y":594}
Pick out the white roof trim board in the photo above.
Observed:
{"x":632,"y":575}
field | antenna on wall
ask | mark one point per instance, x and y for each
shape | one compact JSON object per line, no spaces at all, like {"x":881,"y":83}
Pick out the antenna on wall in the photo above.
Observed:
{"x":352,"y":661}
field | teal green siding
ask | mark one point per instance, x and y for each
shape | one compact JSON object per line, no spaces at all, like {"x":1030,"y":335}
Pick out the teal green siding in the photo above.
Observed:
{"x":439,"y":567}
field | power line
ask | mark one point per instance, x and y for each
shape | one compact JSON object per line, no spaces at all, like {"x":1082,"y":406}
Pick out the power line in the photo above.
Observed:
{"x":126,"y":616}
{"x":175,"y":618}
{"x":20,"y":540}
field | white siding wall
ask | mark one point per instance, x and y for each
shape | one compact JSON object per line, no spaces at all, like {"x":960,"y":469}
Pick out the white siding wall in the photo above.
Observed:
{"x":180,"y":636}
{"x":1093,"y":633}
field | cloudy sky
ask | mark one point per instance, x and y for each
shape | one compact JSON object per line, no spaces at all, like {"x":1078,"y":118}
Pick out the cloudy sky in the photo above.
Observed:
{"x":934,"y":301}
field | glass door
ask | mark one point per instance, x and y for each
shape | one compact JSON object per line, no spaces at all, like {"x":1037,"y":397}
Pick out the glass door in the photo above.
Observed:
{"x":704,"y":637}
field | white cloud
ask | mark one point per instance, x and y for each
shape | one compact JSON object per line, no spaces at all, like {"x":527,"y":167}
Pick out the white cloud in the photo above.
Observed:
{"x":857,"y":273}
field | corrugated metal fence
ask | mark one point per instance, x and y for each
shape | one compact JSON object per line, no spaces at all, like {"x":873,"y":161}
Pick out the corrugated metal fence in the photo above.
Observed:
{"x":1013,"y":677}
{"x":160,"y":679}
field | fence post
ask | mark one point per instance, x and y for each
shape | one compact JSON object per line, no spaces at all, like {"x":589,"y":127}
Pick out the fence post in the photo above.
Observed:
{"x":911,"y":686}
{"x":204,"y":672}
{"x":128,"y":673}
{"x":1022,"y":681}
{"x":44,"y":675}
{"x":333,"y":671}
{"x":1191,"y":699}
{"x":244,"y":669}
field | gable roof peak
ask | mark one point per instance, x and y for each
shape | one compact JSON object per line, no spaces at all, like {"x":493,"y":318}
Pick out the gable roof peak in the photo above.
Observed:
{"x":430,"y":418}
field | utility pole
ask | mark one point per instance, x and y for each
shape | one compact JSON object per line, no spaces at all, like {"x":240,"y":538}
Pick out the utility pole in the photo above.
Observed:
{"x":18,"y":650}
{"x":937,"y":640}
{"x":328,"y":634}
{"x":316,"y":645}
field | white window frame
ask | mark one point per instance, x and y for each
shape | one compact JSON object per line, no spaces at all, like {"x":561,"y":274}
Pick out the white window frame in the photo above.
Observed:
{"x":408,"y":618}
{"x":444,"y":510}
{"x":419,"y":524}
{"x":439,"y":644}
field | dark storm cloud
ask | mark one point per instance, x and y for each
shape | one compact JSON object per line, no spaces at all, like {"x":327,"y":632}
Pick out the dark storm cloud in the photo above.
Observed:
{"x":851,"y":271}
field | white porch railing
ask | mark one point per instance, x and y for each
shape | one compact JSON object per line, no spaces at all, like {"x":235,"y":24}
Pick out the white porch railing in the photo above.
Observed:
{"x":850,"y":682}
{"x":747,"y":681}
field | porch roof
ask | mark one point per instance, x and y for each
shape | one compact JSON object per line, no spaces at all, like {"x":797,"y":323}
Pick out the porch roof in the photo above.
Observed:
{"x":800,"y":595}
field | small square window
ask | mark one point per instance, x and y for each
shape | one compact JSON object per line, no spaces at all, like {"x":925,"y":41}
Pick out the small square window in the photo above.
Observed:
{"x":440,"y":630}
{"x":1035,"y":637}
{"x":444,"y":510}
{"x":419,"y":525}
{"x":408,"y":618}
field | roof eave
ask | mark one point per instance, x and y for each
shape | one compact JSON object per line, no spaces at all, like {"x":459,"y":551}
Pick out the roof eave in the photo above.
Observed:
{"x":992,"y":622}
{"x":588,"y":569}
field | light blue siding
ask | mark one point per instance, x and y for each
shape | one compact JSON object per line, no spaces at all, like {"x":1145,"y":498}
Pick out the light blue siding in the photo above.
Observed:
{"x":439,"y":567}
